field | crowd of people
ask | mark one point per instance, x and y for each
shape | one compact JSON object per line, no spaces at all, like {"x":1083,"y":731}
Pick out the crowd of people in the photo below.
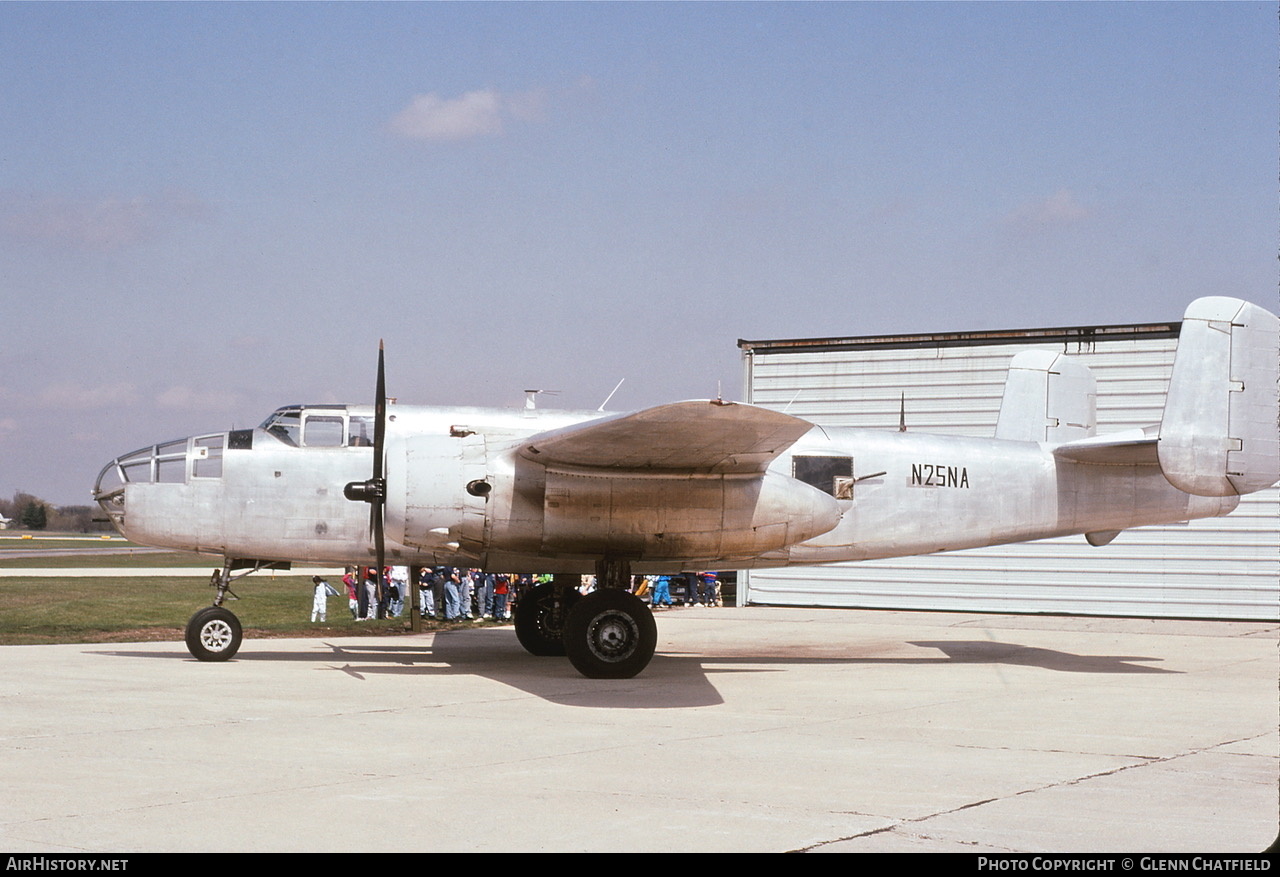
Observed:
{"x":453,"y":594}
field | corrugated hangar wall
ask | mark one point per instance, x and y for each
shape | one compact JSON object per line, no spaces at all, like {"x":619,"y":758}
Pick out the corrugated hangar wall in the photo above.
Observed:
{"x":1223,"y":568}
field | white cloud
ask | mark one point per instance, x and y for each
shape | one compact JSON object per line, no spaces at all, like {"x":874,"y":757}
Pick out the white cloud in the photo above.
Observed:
{"x":431,"y":117}
{"x":482,"y":113}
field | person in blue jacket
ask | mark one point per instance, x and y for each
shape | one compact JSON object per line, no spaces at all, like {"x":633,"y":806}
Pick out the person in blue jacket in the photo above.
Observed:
{"x":662,"y":592}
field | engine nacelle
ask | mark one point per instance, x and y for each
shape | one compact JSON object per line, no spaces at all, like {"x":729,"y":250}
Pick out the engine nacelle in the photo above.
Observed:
{"x":436,"y":493}
{"x":445,"y":495}
{"x":673,"y":517}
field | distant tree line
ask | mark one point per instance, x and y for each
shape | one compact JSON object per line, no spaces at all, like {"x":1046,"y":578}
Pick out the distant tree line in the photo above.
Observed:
{"x":28,"y":512}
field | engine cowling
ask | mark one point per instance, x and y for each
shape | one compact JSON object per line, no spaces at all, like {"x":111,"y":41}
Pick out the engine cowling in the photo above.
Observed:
{"x":437,"y":492}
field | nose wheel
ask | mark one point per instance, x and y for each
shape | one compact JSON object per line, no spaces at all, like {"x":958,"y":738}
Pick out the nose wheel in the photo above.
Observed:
{"x":213,"y":634}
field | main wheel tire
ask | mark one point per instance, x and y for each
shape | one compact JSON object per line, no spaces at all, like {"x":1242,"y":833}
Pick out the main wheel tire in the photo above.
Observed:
{"x":535,"y":620}
{"x":610,"y":634}
{"x":213,"y":634}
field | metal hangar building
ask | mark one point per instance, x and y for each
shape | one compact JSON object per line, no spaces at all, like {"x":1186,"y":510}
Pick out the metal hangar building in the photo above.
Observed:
{"x":951,"y":383}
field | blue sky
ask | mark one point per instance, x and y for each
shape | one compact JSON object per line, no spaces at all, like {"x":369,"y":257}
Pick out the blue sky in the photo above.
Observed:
{"x":209,"y":210}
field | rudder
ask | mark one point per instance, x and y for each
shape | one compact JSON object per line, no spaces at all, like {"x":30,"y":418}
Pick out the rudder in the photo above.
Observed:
{"x":1048,"y":397}
{"x":1219,"y":434}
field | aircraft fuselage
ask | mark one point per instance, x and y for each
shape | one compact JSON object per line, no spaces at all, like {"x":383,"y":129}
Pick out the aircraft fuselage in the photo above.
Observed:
{"x":461,"y":492}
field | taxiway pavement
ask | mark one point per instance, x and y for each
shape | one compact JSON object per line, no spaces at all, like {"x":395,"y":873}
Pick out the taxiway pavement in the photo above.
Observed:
{"x":754,"y":729}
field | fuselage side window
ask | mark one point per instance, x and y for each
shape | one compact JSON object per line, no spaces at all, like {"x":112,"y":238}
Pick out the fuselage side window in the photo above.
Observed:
{"x":833,"y":475}
{"x":206,"y":456}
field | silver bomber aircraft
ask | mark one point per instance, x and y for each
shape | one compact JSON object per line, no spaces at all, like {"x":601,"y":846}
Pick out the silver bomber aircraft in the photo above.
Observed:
{"x":695,"y":485}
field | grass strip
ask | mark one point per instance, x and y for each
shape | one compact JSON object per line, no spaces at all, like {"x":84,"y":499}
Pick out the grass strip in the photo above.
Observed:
{"x":89,"y":609}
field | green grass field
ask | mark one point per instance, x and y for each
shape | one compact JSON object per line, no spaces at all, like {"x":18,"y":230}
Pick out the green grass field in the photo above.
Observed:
{"x":88,"y":609}
{"x":82,"y":609}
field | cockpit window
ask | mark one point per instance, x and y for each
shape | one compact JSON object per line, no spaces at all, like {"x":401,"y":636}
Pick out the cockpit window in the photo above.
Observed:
{"x":286,"y":425}
{"x":318,"y":426}
{"x":322,"y":431}
{"x":361,"y":431}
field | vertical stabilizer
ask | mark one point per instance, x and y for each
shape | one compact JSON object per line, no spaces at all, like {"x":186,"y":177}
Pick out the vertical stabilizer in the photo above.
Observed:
{"x":1219,"y":434}
{"x":1048,"y":397}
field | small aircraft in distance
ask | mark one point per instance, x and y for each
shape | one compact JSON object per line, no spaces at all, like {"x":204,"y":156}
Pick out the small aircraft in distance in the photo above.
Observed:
{"x":695,"y":485}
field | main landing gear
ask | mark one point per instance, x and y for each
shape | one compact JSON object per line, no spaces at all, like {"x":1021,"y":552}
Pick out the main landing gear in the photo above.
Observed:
{"x":540,"y":616}
{"x":607,"y":634}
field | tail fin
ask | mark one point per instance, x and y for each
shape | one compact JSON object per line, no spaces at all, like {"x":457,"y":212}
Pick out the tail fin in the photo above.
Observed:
{"x":1048,"y":397}
{"x":1219,"y":435}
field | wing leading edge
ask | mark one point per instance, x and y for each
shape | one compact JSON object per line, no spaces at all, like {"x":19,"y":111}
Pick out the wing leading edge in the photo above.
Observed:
{"x":693,"y":436}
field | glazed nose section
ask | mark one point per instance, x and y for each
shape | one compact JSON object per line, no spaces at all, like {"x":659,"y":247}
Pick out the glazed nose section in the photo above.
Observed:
{"x":108,"y":493}
{"x":159,"y":463}
{"x":165,"y":462}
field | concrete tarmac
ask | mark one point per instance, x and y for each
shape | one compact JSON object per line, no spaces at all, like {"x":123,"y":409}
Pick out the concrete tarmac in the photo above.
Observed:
{"x":753,"y":729}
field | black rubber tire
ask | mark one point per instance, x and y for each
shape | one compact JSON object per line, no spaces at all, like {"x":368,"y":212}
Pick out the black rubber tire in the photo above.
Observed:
{"x":534,"y":620}
{"x":610,"y":634}
{"x":213,"y":634}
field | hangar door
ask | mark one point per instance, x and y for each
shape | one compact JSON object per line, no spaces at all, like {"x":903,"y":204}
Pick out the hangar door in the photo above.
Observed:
{"x":1224,"y":568}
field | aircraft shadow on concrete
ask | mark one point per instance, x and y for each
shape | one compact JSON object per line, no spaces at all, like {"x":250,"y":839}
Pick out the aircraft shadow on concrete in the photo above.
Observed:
{"x":988,"y":652}
{"x":671,"y":681}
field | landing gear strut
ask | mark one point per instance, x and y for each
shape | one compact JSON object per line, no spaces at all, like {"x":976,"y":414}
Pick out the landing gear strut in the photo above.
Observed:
{"x":608,"y":634}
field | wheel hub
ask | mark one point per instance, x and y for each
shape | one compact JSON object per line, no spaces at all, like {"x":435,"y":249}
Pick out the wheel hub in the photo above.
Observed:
{"x":215,"y":635}
{"x":613,"y":636}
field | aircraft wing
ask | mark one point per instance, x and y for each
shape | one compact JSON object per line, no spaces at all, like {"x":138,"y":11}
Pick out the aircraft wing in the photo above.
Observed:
{"x":1134,"y":447}
{"x":696,"y":436}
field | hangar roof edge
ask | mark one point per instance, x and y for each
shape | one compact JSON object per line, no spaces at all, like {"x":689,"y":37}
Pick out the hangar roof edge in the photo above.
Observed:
{"x":1066,"y":334}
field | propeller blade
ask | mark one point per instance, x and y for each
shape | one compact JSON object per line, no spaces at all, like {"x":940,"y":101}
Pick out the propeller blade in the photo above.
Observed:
{"x":379,"y":413}
{"x":377,"y":511}
{"x":374,"y":491}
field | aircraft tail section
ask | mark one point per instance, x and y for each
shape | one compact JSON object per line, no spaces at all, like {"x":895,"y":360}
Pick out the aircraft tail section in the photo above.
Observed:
{"x":1048,"y":397}
{"x":1219,"y":435}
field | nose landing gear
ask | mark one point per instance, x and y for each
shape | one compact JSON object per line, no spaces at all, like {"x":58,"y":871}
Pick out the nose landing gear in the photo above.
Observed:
{"x":213,"y":634}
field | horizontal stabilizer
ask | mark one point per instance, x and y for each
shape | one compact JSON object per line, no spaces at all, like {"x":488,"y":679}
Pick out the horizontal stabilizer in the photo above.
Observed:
{"x":1134,"y":447}
{"x":697,"y":436}
{"x":1219,"y":435}
{"x":1048,"y":397}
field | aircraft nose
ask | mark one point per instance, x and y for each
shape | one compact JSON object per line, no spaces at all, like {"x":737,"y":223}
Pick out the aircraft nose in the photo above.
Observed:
{"x":160,"y":462}
{"x":108,"y":492}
